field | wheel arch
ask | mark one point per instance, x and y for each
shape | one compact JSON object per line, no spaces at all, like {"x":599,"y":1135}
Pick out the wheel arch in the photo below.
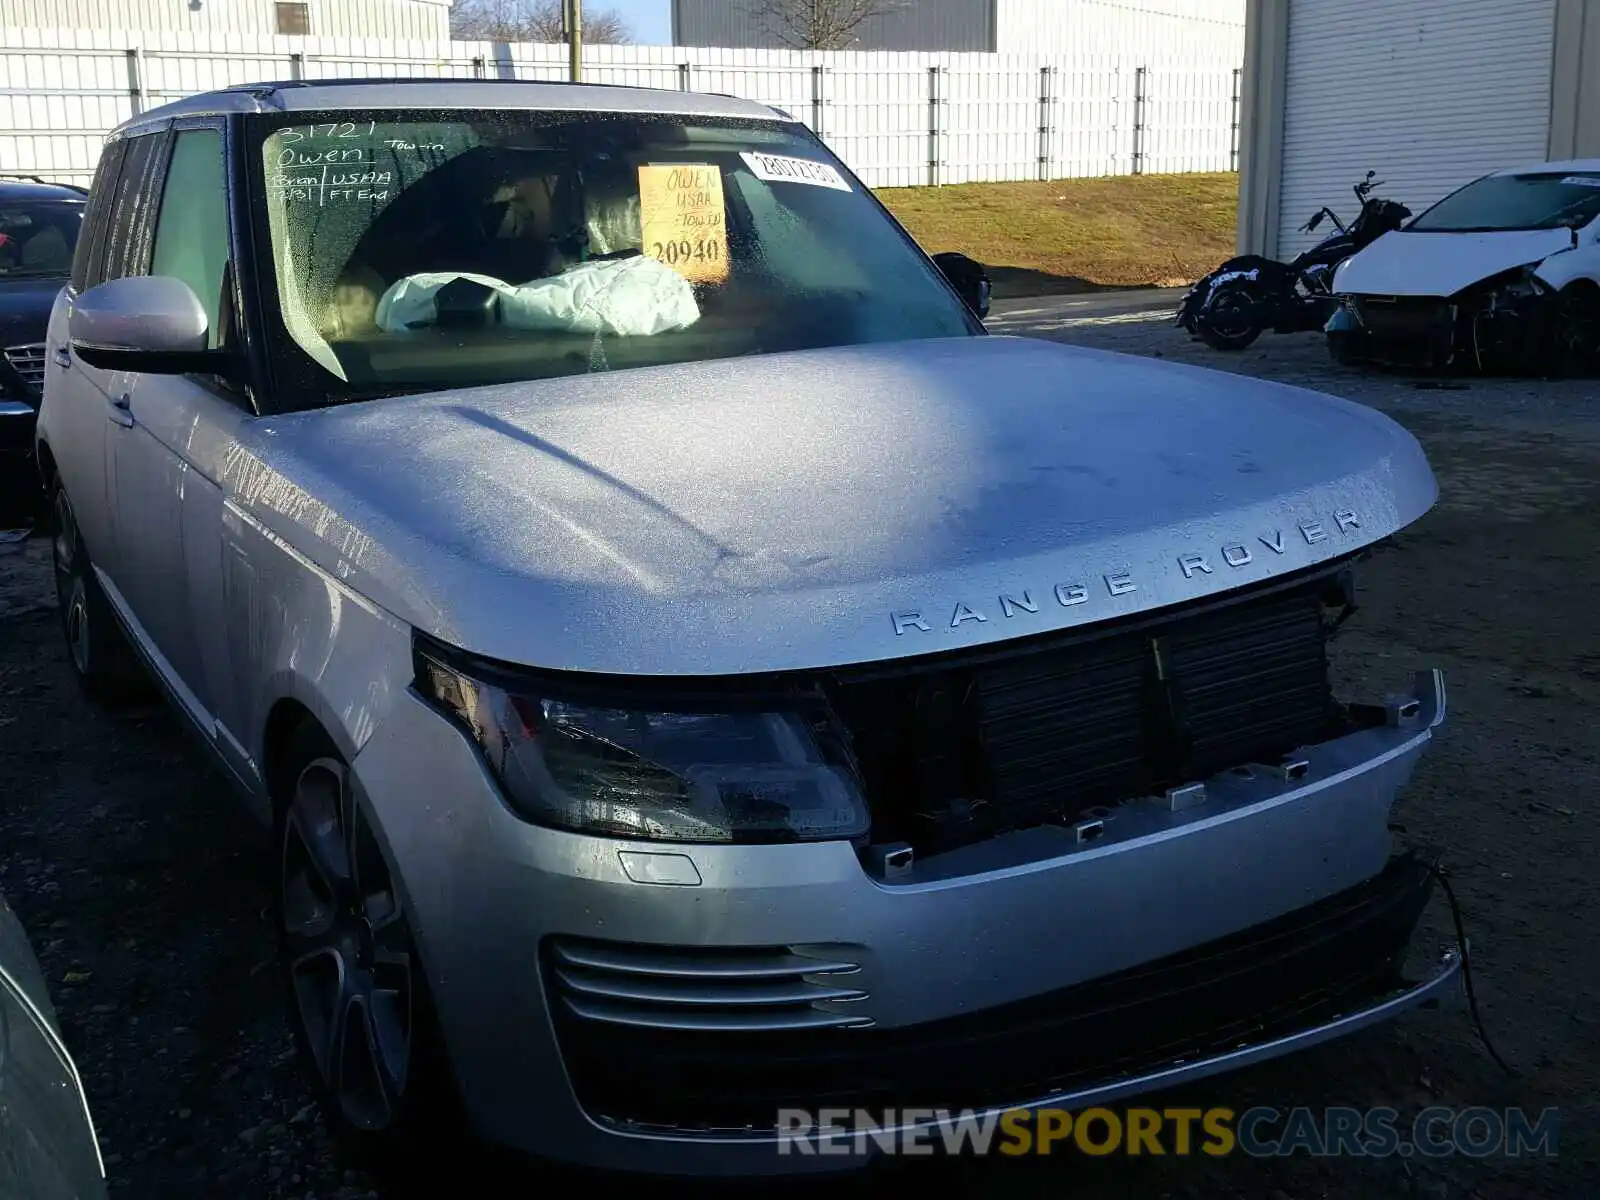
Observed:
{"x":1561,"y":271}
{"x":284,"y":720}
{"x":46,"y":463}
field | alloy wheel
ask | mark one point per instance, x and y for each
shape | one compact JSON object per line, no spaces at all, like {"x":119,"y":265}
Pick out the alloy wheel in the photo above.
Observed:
{"x":349,"y":949}
{"x":72,"y":592}
{"x":1232,"y":312}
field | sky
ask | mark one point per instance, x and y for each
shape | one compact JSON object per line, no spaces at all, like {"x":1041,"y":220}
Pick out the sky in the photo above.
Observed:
{"x":650,"y":20}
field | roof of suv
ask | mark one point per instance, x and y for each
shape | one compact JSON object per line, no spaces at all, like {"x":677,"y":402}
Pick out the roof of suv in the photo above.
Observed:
{"x":15,"y":188}
{"x":324,"y":95}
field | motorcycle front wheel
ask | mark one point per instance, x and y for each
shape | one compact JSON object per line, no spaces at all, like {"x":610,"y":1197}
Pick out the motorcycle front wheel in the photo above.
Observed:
{"x":1230,"y":320}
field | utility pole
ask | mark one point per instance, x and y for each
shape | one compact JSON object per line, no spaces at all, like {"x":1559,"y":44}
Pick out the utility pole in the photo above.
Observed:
{"x":572,"y":14}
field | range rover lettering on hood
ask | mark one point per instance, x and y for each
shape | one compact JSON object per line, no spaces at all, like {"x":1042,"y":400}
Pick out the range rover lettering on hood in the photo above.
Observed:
{"x":1236,"y":554}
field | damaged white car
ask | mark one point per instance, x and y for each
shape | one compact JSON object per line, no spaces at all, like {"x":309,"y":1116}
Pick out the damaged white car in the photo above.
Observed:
{"x":1501,"y":275}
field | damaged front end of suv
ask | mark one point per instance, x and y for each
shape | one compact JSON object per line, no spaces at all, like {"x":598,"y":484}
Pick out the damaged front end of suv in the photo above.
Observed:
{"x":1021,"y":777}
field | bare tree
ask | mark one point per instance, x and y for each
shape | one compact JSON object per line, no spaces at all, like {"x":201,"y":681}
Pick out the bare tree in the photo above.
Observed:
{"x":820,"y":24}
{"x":531,"y":21}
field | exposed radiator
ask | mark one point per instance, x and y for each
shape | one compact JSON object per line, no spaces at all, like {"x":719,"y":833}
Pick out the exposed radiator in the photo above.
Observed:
{"x":1071,"y":724}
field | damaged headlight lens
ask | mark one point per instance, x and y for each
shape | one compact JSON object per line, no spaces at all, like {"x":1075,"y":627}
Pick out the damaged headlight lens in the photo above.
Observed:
{"x":1520,"y":284}
{"x":665,"y":776}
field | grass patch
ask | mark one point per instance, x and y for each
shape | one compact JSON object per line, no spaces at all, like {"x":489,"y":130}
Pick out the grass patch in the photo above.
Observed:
{"x":1078,"y":234}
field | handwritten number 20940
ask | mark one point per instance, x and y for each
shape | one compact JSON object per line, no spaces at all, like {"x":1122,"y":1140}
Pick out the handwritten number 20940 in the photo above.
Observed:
{"x":673,"y":253}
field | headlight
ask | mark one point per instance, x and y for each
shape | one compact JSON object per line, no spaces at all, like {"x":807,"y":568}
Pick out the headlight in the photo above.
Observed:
{"x":1519,"y":283}
{"x":667,"y":776}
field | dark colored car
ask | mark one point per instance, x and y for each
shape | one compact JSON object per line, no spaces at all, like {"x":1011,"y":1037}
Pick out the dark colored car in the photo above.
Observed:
{"x":39,"y":224}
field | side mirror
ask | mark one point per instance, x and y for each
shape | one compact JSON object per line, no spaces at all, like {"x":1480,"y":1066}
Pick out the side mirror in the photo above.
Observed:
{"x":968,"y":278}
{"x":152,"y":324}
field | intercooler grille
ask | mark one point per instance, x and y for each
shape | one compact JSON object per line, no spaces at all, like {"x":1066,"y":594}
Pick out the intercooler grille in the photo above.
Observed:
{"x":758,"y":990}
{"x":1069,"y":727}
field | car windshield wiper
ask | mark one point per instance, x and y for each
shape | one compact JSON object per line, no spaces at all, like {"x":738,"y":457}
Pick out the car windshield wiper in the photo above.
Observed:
{"x":6,"y":275}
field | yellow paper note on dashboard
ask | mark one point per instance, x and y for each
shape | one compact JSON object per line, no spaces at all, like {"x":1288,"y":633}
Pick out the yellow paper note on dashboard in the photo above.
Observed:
{"x":683,"y":220}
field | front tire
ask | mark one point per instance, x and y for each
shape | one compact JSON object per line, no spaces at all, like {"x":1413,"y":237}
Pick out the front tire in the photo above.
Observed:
{"x":102,"y":660}
{"x":357,"y":997}
{"x":1229,"y":320}
{"x":1575,"y":332}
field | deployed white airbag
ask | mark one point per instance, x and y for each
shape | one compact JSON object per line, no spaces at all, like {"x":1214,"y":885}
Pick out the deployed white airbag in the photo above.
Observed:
{"x":631,"y":297}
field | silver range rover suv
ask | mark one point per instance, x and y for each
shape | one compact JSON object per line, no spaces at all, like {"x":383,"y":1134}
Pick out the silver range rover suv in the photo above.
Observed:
{"x":691,"y":668}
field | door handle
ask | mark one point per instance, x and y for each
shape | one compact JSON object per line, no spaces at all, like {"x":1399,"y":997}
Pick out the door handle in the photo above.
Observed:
{"x":121,"y":411}
{"x":63,"y":357}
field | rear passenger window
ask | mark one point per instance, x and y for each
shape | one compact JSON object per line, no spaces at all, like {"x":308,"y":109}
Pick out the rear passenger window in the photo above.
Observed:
{"x":130,"y":220}
{"x":192,"y":232}
{"x":89,"y":260}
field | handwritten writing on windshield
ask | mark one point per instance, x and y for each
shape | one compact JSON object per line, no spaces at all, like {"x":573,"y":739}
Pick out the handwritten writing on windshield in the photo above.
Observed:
{"x":684,"y":221}
{"x":339,"y":162}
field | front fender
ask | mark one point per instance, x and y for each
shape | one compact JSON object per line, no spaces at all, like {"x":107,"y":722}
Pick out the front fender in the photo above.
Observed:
{"x":1567,"y":267}
{"x":1254,"y":268}
{"x":1267,"y":271}
{"x":300,"y":634}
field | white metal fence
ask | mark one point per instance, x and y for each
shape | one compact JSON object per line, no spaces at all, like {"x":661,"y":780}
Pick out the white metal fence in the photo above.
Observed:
{"x":898,"y":120}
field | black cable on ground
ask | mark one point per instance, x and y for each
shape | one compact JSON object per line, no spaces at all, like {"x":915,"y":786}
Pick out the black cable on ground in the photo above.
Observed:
{"x":1440,"y":874}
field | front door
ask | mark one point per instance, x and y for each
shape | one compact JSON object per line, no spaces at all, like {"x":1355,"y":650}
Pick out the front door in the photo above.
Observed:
{"x":165,"y":511}
{"x":79,"y":394}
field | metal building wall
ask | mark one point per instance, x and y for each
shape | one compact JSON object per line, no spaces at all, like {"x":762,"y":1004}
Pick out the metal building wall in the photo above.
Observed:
{"x":1530,"y":66}
{"x":429,"y":19}
{"x":1575,"y":100}
{"x":1415,"y":123}
{"x":926,"y":25}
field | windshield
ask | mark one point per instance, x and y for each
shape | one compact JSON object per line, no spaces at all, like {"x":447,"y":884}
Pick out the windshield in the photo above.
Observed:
{"x":38,"y":237}
{"x":449,"y":249}
{"x":1545,"y":200}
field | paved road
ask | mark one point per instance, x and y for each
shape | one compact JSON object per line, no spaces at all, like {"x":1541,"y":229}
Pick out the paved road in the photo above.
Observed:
{"x":1049,"y":314}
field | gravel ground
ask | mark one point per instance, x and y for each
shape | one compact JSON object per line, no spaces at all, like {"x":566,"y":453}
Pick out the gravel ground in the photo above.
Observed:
{"x":146,"y":891}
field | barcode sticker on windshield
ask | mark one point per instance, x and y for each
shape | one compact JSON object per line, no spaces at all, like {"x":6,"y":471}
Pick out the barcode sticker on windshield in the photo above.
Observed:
{"x":1582,"y":181}
{"x":777,"y":169}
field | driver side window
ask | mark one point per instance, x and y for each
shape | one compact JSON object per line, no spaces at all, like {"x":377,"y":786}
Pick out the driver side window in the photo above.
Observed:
{"x":191,"y":241}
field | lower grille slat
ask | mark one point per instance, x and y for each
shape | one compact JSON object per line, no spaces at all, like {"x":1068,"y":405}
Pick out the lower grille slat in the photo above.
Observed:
{"x":698,"y":993}
{"x":641,"y":960}
{"x":691,"y":1021}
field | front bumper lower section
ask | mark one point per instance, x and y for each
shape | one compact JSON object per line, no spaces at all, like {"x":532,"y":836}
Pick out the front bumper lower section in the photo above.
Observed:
{"x":650,"y":1007}
{"x":1310,"y":975}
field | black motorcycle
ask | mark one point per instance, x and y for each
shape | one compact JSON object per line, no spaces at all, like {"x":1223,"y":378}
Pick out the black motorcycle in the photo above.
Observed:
{"x":1230,"y":307}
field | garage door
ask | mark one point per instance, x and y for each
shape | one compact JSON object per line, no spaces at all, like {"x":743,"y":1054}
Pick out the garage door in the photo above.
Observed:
{"x":1428,"y":93}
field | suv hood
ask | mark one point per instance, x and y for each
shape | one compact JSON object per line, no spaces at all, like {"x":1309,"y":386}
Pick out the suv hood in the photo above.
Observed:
{"x":1441,"y":264}
{"x":823,"y":507}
